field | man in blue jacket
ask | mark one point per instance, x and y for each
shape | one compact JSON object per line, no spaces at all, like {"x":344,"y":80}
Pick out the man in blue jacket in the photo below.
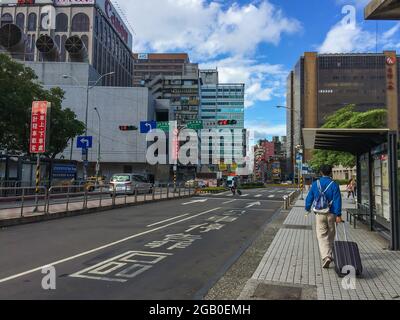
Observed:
{"x":326,"y":222}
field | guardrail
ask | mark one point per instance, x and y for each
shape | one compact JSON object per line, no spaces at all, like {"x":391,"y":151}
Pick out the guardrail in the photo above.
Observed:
{"x":288,"y":200}
{"x":59,"y":199}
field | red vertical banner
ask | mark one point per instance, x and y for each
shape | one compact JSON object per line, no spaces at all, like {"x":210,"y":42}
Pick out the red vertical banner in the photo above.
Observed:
{"x":38,"y":136}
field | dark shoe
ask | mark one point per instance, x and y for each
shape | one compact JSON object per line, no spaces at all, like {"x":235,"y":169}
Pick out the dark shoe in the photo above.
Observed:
{"x":326,"y":263}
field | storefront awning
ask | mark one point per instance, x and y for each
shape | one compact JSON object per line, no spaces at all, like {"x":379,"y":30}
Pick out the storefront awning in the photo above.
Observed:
{"x":355,"y":141}
{"x":383,"y":10}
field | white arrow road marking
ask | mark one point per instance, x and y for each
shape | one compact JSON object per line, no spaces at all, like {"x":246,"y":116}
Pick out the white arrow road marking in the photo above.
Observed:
{"x":230,"y":201}
{"x":195,"y":201}
{"x":254,"y":204}
{"x":106,"y":246}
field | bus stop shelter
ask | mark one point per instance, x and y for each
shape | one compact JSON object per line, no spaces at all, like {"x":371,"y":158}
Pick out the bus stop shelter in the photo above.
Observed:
{"x":378,"y":180}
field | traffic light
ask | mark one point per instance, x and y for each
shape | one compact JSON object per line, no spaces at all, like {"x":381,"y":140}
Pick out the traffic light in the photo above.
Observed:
{"x":227,"y":122}
{"x":128,"y":128}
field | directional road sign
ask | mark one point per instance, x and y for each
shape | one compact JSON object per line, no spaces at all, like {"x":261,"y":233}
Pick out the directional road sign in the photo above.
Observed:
{"x":84,"y":142}
{"x":163,"y":125}
{"x":147,"y":126}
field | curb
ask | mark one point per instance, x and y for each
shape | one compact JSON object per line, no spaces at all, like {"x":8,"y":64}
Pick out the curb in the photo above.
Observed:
{"x":60,"y":215}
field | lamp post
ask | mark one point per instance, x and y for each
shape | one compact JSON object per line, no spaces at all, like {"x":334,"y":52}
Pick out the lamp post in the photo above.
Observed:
{"x":98,"y":146}
{"x":88,"y":88}
{"x":295,"y":161}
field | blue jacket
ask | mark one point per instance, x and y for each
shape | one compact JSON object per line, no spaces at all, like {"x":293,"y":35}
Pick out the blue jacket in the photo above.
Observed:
{"x":333,"y":193}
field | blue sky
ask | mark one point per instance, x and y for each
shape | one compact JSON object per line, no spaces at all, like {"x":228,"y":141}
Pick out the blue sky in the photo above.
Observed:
{"x":256,"y":42}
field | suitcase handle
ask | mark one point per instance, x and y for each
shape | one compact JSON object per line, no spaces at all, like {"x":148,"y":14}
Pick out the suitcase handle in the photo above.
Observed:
{"x":344,"y":231}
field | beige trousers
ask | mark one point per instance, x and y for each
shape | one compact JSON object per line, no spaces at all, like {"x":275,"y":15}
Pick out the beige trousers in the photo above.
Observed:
{"x":326,"y":231}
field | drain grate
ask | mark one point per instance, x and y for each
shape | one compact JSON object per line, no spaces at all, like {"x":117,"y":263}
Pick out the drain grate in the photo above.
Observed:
{"x":297,"y":227}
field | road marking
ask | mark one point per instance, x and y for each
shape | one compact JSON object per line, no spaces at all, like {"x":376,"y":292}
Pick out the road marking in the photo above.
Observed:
{"x":258,"y":196}
{"x":253,"y":204}
{"x":194,"y":201}
{"x":271,"y":196}
{"x":104,"y":246}
{"x":244,"y":195}
{"x":157,"y":223}
{"x":239,"y":199}
{"x":130,"y":263}
{"x":230,"y":201}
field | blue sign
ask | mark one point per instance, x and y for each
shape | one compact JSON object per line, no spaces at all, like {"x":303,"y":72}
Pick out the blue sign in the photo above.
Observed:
{"x":64,"y":171}
{"x":84,"y":142}
{"x":147,"y":126}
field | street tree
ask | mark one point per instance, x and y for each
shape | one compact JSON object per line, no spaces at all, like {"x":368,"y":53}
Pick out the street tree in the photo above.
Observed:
{"x":347,"y":118}
{"x":19,"y":87}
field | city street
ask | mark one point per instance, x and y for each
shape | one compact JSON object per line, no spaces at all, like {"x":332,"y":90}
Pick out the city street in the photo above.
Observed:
{"x":170,"y":250}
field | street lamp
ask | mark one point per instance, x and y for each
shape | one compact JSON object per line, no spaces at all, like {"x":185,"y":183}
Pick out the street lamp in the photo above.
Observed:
{"x":296,"y":148}
{"x":88,"y":88}
{"x":98,"y":147}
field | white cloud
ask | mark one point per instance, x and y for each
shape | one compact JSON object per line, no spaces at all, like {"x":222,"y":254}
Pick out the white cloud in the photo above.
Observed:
{"x":343,"y":38}
{"x":263,"y":130}
{"x":206,"y":28}
{"x":263,"y":81}
{"x":216,"y":35}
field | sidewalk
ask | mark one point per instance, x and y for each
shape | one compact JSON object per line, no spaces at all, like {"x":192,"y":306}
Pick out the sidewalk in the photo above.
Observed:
{"x":291,"y":267}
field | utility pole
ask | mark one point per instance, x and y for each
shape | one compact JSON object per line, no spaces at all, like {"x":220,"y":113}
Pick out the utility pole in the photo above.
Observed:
{"x":98,"y":146}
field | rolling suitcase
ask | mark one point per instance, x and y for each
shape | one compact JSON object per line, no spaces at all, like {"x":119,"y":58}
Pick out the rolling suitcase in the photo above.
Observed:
{"x":346,"y":254}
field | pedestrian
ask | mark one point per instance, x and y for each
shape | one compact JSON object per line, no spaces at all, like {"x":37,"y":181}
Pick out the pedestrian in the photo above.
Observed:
{"x":351,"y":188}
{"x":325,"y":200}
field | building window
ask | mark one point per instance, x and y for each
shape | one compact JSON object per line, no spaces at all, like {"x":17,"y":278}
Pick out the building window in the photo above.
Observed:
{"x":80,"y":23}
{"x":20,"y":21}
{"x":62,"y":22}
{"x":85,"y":40}
{"x":32,"y":22}
{"x":6,"y":19}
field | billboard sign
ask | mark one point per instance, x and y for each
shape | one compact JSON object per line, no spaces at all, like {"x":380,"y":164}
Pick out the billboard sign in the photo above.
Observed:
{"x":115,"y":20}
{"x":73,"y":2}
{"x":64,"y":171}
{"x":39,"y":123}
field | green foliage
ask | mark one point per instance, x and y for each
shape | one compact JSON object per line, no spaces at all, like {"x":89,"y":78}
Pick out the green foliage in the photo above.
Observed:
{"x":18,"y":88}
{"x":347,"y":118}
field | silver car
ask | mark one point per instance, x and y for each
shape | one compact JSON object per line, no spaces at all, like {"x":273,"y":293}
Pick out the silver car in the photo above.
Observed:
{"x":128,"y":183}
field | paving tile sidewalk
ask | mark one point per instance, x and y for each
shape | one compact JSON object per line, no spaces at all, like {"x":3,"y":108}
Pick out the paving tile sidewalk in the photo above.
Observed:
{"x":293,"y":261}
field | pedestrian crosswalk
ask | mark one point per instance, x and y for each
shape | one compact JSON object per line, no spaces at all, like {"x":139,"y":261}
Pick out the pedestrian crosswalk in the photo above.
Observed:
{"x":262,"y":194}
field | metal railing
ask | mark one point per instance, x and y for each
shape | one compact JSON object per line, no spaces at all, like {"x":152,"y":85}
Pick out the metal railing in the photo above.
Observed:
{"x":73,"y":198}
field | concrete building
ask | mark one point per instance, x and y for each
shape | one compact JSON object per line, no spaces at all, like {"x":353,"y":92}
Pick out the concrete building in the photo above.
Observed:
{"x":121,"y":151}
{"x":148,"y":66}
{"x":383,"y":10}
{"x":321,"y":84}
{"x":179,"y":93}
{"x":89,"y":31}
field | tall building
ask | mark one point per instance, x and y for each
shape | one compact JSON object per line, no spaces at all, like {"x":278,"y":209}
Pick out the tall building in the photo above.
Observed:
{"x":178,"y":95}
{"x":69,"y":31}
{"x":321,"y":84}
{"x":148,"y":66}
{"x":222,"y":107}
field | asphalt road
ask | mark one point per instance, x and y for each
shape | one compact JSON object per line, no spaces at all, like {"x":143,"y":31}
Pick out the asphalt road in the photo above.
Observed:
{"x":168,"y":250}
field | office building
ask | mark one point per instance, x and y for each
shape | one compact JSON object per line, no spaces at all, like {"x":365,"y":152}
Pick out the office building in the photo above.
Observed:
{"x":321,"y":84}
{"x":222,"y":107}
{"x":89,"y":31}
{"x":148,"y":66}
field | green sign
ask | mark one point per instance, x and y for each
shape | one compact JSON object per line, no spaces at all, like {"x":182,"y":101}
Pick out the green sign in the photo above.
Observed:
{"x":195,"y":125}
{"x":163,"y":126}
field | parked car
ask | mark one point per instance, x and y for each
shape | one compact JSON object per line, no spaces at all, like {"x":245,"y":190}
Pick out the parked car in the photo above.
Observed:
{"x":127,"y":183}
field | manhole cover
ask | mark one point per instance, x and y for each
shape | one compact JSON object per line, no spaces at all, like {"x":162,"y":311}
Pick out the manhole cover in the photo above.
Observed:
{"x":272,"y":292}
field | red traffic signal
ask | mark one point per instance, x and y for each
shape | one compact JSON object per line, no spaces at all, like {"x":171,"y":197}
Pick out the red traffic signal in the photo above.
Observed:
{"x":128,"y":128}
{"x":227,"y":122}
